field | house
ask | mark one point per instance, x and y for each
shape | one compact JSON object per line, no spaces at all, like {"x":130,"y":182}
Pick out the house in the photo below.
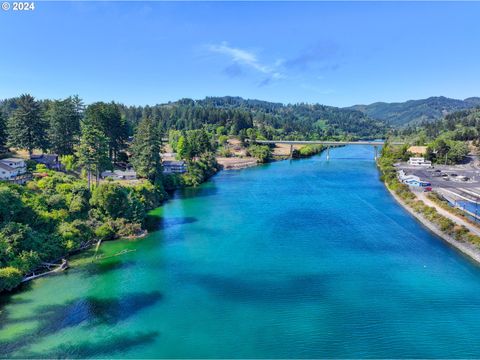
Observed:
{"x":14,"y":170}
{"x":419,"y":161}
{"x":51,"y":161}
{"x":120,"y":175}
{"x":412,"y":180}
{"x":174,"y":167}
{"x":415,"y":181}
{"x":15,"y":163}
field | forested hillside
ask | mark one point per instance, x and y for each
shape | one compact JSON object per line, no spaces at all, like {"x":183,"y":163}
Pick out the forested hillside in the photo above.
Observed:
{"x":447,"y":138}
{"x":273,"y":120}
{"x":416,"y":111}
{"x":461,"y":126}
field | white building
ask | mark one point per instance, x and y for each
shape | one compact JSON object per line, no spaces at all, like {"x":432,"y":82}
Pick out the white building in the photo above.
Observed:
{"x":174,"y":167}
{"x":415,"y":181}
{"x":412,"y":180}
{"x":120,"y":175}
{"x":13,"y":170}
{"x":419,"y":161}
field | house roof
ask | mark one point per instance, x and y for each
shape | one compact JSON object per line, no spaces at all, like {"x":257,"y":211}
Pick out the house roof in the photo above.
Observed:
{"x":119,"y":173}
{"x":173,"y":163}
{"x":126,"y":172}
{"x":422,"y":150}
{"x":6,"y":167}
{"x":45,"y":158}
{"x":12,"y":160}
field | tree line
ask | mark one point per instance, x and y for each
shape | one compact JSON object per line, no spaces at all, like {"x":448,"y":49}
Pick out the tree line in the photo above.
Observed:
{"x":270,"y":120}
{"x":446,"y":139}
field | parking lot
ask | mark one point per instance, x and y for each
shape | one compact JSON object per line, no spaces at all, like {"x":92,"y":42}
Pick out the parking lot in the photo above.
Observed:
{"x":456,"y":183}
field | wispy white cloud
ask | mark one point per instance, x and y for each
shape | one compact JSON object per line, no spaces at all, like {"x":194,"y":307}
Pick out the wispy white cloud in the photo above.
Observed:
{"x":242,"y":57}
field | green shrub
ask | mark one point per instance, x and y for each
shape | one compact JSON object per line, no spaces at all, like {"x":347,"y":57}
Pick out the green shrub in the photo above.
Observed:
{"x":27,"y":261}
{"x":10,"y":204}
{"x":10,"y":278}
{"x":105,"y":231}
{"x":262,"y":153}
{"x":124,"y":228}
{"x":200,"y":170}
{"x":224,"y":152}
{"x":74,"y":234}
{"x":307,"y":150}
{"x":173,"y":182}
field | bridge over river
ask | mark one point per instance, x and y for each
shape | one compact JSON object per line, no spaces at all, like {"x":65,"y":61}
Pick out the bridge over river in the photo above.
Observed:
{"x":328,"y":144}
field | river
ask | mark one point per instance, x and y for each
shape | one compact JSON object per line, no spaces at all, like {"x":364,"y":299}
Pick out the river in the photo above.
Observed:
{"x":302,"y":258}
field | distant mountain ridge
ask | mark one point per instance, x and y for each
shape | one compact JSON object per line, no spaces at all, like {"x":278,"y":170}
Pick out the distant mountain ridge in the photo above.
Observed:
{"x":416,"y":111}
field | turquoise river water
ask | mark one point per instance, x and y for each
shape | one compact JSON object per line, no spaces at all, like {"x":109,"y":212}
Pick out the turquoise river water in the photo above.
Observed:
{"x":303,"y":258}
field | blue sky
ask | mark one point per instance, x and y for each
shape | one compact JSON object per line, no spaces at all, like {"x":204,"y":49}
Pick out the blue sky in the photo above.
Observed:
{"x":335,"y":53}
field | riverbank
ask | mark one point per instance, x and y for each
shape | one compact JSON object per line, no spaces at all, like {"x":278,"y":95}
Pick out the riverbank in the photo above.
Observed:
{"x":235,"y":163}
{"x":468,"y":249}
{"x":447,"y":226}
{"x":279,"y":152}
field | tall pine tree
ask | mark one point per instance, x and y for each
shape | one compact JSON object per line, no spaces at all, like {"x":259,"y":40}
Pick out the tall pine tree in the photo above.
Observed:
{"x":64,"y":130}
{"x":26,"y":128}
{"x":92,"y":151}
{"x":3,"y":134}
{"x":107,"y":118}
{"x":146,"y":151}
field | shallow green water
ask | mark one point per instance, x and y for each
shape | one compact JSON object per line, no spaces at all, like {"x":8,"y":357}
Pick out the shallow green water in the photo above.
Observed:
{"x":303,"y":258}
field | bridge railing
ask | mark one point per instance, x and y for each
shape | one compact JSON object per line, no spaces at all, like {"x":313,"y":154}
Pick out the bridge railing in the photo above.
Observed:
{"x":324,"y":142}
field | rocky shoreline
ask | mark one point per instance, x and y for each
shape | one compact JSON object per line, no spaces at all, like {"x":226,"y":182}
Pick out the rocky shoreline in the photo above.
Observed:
{"x":465,"y":248}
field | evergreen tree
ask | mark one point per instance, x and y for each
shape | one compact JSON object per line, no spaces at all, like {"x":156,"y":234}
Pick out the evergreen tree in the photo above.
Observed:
{"x":78,"y":106}
{"x":3,"y":134}
{"x":146,"y":151}
{"x":64,"y":119}
{"x":183,"y":151}
{"x":92,"y":152}
{"x":26,"y":128}
{"x":107,"y":118}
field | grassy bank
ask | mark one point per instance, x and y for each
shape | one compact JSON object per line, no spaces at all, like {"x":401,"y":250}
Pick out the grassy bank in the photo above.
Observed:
{"x":444,"y":204}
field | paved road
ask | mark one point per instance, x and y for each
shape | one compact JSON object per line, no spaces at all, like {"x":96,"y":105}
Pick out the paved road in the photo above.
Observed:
{"x":423,"y":196}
